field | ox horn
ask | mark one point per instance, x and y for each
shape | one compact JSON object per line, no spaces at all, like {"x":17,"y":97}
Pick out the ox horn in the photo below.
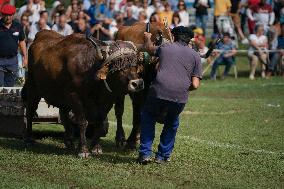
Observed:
{"x":98,"y":49}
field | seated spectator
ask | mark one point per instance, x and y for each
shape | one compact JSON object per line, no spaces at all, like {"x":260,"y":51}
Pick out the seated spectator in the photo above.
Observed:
{"x":101,"y":8}
{"x":130,"y":5}
{"x":101,"y":30}
{"x":225,"y":56}
{"x":44,"y":14}
{"x":82,"y":14}
{"x":58,"y":10}
{"x":62,"y":27}
{"x":166,"y":13}
{"x":33,"y":8}
{"x":129,"y":20}
{"x":36,"y":27}
{"x":154,"y":18}
{"x":82,"y":27}
{"x":74,"y":20}
{"x":175,"y":21}
{"x":142,"y":17}
{"x":147,"y":10}
{"x":183,"y":14}
{"x":74,"y":7}
{"x":92,"y":12}
{"x":277,"y":56}
{"x":110,"y":11}
{"x":257,"y":50}
{"x":155,"y":6}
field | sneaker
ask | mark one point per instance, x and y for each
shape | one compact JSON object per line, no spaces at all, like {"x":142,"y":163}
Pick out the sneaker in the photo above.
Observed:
{"x":161,"y":160}
{"x":245,"y":41}
{"x":144,"y":160}
{"x":251,"y":77}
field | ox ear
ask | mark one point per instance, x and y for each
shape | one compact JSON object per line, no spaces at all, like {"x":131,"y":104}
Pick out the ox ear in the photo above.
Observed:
{"x":102,"y":73}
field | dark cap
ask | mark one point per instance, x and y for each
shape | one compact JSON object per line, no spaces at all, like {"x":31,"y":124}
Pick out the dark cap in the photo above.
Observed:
{"x":181,"y":30}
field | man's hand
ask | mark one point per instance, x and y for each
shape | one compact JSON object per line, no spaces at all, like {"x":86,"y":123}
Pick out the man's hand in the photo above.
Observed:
{"x":25,"y":62}
{"x":147,"y":36}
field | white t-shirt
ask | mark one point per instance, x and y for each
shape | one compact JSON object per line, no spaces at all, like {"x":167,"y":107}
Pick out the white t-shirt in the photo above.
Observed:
{"x":184,"y":18}
{"x":34,"y":29}
{"x":259,"y":40}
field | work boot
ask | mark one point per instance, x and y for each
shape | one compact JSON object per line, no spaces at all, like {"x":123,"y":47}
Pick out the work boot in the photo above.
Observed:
{"x":160,"y":160}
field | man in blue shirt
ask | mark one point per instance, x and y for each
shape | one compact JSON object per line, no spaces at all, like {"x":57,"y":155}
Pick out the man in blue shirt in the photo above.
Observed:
{"x":226,"y":56}
{"x":179,"y":71}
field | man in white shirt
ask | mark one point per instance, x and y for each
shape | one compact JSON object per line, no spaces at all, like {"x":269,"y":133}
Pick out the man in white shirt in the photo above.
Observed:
{"x":62,"y":27}
{"x":36,"y":27}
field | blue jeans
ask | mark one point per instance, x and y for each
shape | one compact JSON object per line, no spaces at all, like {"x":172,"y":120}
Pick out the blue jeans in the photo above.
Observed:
{"x":8,"y":71}
{"x":201,"y":21}
{"x":228,"y":62}
{"x":150,"y":111}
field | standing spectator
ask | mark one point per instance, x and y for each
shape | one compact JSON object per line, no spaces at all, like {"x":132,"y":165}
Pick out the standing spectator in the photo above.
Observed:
{"x":166,"y":13}
{"x":257,"y":50}
{"x":129,"y":20}
{"x":277,"y":56}
{"x":26,"y":26}
{"x":201,"y":13}
{"x":11,"y":37}
{"x":176,"y":20}
{"x":226,"y":56}
{"x":62,"y":27}
{"x":33,"y":8}
{"x":35,"y":28}
{"x":221,"y":8}
{"x":234,"y":13}
{"x":262,"y":13}
{"x":183,"y":14}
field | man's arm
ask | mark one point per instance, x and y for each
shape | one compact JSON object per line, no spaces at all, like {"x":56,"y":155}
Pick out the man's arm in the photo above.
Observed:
{"x":195,"y":83}
{"x":22,"y":45}
{"x":148,"y":45}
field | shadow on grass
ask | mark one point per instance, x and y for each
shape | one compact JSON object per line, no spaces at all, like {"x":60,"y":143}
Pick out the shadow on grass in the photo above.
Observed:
{"x":54,"y":145}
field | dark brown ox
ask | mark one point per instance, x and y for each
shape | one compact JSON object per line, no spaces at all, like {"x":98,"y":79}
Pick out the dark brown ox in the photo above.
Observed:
{"x":135,"y":34}
{"x":76,"y":75}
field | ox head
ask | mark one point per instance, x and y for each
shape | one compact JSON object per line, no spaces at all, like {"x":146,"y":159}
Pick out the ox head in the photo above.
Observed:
{"x":121,"y":70}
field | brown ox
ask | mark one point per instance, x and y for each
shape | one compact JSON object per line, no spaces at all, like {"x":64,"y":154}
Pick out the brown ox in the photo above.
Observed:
{"x":135,"y":34}
{"x":75,"y":75}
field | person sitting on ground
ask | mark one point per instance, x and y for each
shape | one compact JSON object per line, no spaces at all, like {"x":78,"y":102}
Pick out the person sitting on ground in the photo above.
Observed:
{"x":225,"y":56}
{"x":257,"y":51}
{"x":62,"y":27}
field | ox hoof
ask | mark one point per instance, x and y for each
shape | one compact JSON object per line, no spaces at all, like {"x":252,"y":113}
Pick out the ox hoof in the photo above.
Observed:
{"x":84,"y":155}
{"x":97,"y":150}
{"x":130,"y":146}
{"x":120,"y":142}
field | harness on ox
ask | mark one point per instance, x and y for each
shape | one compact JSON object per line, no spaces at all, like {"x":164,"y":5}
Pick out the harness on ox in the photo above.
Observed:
{"x":118,"y":57}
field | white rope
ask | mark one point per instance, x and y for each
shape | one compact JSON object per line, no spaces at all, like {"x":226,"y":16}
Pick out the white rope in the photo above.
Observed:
{"x":245,"y":50}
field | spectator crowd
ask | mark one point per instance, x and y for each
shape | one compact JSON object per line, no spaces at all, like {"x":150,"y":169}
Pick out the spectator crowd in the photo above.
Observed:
{"x":264,"y":33}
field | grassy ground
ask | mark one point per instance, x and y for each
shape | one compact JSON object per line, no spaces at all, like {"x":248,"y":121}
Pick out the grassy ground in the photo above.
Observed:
{"x":231,"y":136}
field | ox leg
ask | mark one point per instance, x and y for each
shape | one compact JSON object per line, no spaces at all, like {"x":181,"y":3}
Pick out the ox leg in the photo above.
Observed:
{"x":134,"y":136}
{"x":119,"y":109}
{"x":68,"y":126}
{"x":31,"y":107}
{"x":80,"y":119}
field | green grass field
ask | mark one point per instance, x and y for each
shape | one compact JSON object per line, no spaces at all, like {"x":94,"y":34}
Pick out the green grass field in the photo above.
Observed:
{"x":231,"y":136}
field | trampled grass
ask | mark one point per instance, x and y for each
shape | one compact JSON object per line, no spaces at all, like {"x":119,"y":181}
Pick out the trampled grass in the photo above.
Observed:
{"x":231,"y":136}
